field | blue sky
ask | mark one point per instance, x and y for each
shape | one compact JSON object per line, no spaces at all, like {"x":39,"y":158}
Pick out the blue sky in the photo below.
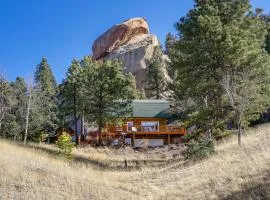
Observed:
{"x":63,"y":30}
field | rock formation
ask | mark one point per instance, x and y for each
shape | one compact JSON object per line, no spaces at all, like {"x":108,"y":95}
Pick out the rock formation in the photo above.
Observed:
{"x":118,"y":35}
{"x":131,"y":43}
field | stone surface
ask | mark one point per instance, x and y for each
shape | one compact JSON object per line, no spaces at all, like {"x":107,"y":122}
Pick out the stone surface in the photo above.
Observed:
{"x":118,"y":35}
{"x":135,"y":56}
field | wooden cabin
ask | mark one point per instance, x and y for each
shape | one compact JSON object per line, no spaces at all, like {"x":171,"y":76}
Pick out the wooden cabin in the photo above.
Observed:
{"x":149,"y":125}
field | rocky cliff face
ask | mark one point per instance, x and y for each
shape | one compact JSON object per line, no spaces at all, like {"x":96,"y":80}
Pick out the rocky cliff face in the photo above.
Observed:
{"x":118,"y":35}
{"x":131,"y":43}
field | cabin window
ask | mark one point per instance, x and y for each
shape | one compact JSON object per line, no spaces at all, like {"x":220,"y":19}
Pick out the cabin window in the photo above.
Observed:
{"x":150,"y":126}
{"x":129,"y":126}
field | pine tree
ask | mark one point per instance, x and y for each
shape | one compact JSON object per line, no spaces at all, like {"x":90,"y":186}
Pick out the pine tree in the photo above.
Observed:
{"x":109,"y":92}
{"x":169,"y":43}
{"x":156,"y":77}
{"x":266,"y":18}
{"x":19,"y":88}
{"x":72,"y":94}
{"x":45,"y":78}
{"x":5,"y":104}
{"x":217,"y":38}
{"x":170,"y":51}
{"x":96,"y":91}
{"x":46,"y":86}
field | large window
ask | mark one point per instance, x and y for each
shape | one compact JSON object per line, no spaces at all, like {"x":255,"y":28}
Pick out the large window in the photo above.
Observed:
{"x":150,"y":126}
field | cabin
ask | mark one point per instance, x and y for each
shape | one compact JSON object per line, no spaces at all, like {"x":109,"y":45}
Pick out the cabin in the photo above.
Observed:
{"x":150,"y":124}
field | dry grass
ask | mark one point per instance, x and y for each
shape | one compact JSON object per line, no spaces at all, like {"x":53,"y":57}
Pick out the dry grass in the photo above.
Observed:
{"x":233,"y":173}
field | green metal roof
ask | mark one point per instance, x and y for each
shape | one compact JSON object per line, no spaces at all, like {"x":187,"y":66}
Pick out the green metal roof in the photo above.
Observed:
{"x":151,"y":108}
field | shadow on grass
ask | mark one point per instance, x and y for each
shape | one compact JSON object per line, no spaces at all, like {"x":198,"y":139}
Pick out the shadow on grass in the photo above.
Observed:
{"x":112,"y":165}
{"x":256,"y":189}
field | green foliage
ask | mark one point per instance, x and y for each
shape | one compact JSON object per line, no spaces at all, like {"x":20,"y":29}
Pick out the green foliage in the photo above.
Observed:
{"x":72,"y":93}
{"x":46,"y":91}
{"x":100,"y":91}
{"x":45,"y":78}
{"x":156,"y":75}
{"x":170,"y":50}
{"x":65,"y":145}
{"x":141,"y":94}
{"x":6,"y":116}
{"x":199,"y":149}
{"x":10,"y":127}
{"x":109,"y":91}
{"x":19,"y":88}
{"x":188,"y":137}
{"x":220,"y":65}
{"x":266,"y":19}
{"x":40,"y":136}
{"x":268,"y":42}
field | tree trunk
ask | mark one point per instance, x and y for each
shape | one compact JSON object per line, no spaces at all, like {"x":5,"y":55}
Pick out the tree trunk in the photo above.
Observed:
{"x":1,"y":118}
{"x":82,"y":127}
{"x":15,"y":137}
{"x":75,"y":114}
{"x":239,"y":134}
{"x":209,"y":132}
{"x":27,"y":115}
{"x":99,"y":132}
{"x":157,"y":90}
{"x":158,"y":95}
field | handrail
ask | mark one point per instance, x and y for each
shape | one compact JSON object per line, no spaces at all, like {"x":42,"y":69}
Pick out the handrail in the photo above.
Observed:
{"x":146,"y":129}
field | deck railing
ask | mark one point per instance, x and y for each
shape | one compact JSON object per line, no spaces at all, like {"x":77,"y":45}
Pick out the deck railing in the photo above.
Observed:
{"x":147,"y":129}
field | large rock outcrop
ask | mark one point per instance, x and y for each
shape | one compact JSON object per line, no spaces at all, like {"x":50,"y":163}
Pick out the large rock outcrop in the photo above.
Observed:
{"x":135,"y":56}
{"x":130,"y":43}
{"x":118,"y":35}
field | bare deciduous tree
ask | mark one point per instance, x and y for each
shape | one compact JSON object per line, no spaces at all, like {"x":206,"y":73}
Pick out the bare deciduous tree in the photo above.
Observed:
{"x":29,"y":103}
{"x":245,"y":96}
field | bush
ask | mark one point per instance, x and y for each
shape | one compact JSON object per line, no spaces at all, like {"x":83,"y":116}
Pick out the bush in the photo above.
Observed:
{"x":199,"y":149}
{"x":189,"y":137}
{"x":65,"y":145}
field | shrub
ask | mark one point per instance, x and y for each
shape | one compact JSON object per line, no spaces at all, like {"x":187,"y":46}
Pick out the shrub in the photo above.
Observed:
{"x":188,"y":137}
{"x":65,"y":145}
{"x":199,"y":149}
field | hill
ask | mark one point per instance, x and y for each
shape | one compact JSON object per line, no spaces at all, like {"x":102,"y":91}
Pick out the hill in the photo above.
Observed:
{"x":233,"y":173}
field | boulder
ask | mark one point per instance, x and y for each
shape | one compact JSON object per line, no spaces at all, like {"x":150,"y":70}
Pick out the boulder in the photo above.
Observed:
{"x":132,"y":44}
{"x":135,"y":55}
{"x":118,"y":35}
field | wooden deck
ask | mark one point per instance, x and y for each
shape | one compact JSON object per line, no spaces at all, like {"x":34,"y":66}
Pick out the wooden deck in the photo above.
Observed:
{"x":160,"y":130}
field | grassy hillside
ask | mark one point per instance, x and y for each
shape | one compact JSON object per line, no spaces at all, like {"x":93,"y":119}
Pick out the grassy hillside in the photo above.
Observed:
{"x":233,"y":173}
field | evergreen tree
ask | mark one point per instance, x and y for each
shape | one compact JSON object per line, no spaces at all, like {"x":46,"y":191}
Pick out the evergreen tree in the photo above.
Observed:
{"x":45,"y":78}
{"x":266,"y":18}
{"x":96,"y":91}
{"x":169,"y":43}
{"x":218,"y":38}
{"x":170,"y":51}
{"x":46,"y":86}
{"x":5,"y":104}
{"x":109,"y":92}
{"x":19,"y":88}
{"x":157,"y":77}
{"x":72,"y":94}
